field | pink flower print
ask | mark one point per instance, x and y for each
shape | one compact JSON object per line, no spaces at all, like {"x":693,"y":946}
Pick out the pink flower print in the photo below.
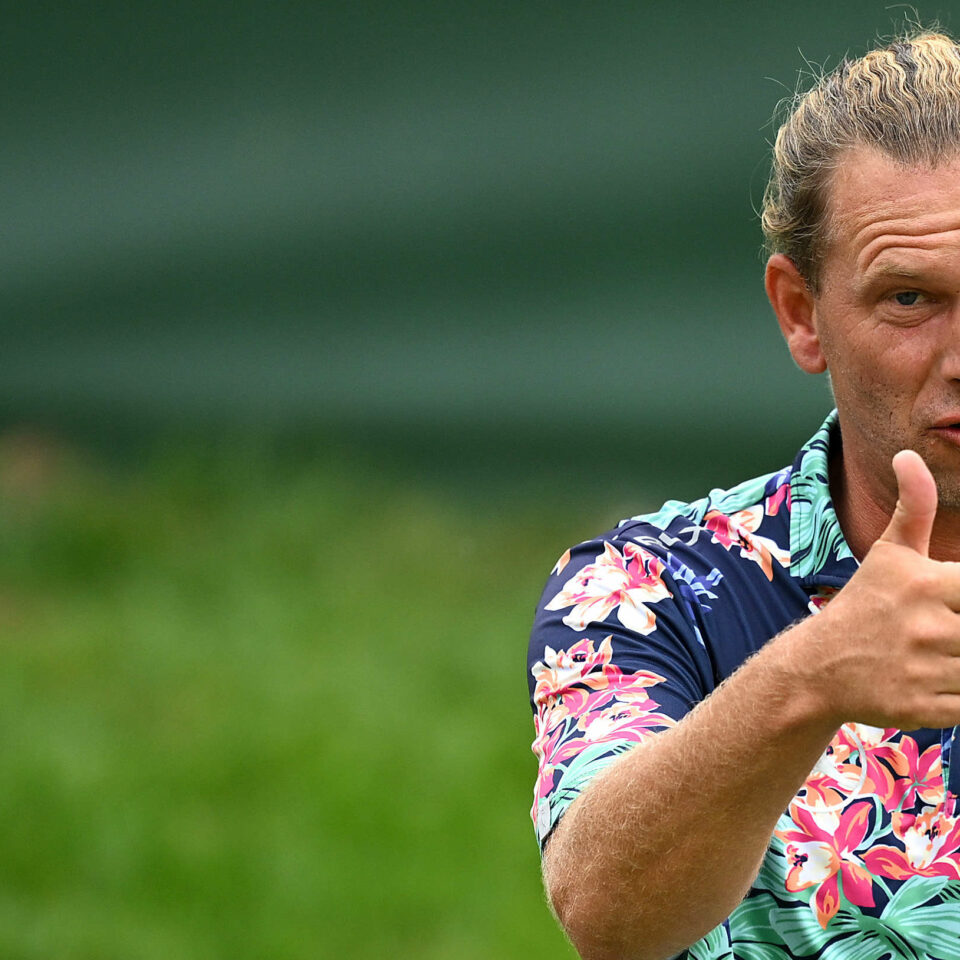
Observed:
{"x":824,"y":801}
{"x":622,"y":721}
{"x":571,"y":719}
{"x":850,"y":763}
{"x":887,"y":765}
{"x":921,"y":776}
{"x":738,"y":530}
{"x":623,"y":582}
{"x":619,"y":712}
{"x":835,"y":770}
{"x":870,"y":737}
{"x":561,"y":564}
{"x":562,"y":668}
{"x":598,"y":688}
{"x":872,"y":745}
{"x":568,"y":684}
{"x":544,"y":749}
{"x":821,"y":598}
{"x":777,"y":498}
{"x":930,"y":844}
{"x":544,"y":784}
{"x":819,"y":857}
{"x":549,"y":727}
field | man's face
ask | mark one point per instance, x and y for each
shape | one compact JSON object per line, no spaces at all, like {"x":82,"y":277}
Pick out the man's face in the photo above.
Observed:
{"x":888,"y":318}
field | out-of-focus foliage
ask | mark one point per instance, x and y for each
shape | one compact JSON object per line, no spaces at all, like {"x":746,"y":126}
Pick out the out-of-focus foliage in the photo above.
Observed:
{"x":258,"y":710}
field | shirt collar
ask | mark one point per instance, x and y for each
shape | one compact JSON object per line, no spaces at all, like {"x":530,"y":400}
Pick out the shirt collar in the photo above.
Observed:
{"x":819,"y":554}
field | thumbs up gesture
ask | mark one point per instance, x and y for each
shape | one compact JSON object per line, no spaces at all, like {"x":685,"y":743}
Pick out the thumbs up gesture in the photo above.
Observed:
{"x":887,"y":648}
{"x":912,"y":520}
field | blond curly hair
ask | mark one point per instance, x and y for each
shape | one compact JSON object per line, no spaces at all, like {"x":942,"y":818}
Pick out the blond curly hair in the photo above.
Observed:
{"x":903,"y":100}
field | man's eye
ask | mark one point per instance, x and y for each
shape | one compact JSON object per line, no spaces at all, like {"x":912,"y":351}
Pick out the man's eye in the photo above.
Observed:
{"x":907,"y":298}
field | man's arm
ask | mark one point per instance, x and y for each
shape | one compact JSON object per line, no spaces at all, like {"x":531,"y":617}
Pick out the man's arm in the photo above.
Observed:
{"x":664,"y":844}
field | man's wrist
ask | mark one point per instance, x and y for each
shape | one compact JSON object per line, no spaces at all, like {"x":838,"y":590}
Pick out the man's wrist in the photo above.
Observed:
{"x":800,"y":680}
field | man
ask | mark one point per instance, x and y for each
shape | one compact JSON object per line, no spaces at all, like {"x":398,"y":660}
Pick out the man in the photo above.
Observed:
{"x":745,"y":705}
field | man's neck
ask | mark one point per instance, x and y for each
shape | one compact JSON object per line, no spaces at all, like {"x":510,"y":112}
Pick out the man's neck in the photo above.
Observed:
{"x":864,"y":512}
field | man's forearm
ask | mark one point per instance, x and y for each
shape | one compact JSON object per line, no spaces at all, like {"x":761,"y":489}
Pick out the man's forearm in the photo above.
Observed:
{"x":664,"y":844}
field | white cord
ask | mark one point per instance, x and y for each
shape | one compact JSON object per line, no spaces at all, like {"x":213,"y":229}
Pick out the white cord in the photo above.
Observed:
{"x":857,"y":791}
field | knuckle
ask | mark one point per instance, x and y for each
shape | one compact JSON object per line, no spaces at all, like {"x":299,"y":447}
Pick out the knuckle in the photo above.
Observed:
{"x":912,"y":674}
{"x":937,"y":716}
{"x":917,"y":713}
{"x":924,"y":581}
{"x":930,"y":633}
{"x":915,"y":670}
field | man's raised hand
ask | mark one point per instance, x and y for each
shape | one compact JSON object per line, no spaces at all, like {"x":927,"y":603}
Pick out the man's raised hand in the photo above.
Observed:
{"x":886,"y":650}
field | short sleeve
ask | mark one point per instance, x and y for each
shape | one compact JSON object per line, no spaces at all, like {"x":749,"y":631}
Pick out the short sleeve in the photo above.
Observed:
{"x":615,"y":657}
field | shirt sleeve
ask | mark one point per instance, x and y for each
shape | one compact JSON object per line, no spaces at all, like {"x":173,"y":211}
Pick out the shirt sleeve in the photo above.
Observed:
{"x":615,"y":656}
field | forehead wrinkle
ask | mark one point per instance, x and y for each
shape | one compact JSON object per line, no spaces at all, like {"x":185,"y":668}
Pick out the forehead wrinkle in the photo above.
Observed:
{"x":917,"y":241}
{"x":873,"y":202}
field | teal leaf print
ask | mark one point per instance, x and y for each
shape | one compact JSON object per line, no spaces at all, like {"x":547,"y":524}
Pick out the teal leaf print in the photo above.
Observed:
{"x":814,"y":529}
{"x":937,"y":928}
{"x":740,"y":497}
{"x":714,"y":946}
{"x":915,"y":891}
{"x":744,"y":495}
{"x":854,"y":948}
{"x":774,"y":869}
{"x":950,"y":894}
{"x":852,"y":935}
{"x":761,"y":951}
{"x":582,"y":769}
{"x":799,"y":930}
{"x":670,"y":511}
{"x":751,"y":920}
{"x":803,"y":935}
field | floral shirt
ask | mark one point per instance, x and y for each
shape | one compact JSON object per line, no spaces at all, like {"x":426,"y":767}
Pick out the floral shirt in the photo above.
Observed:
{"x":639,"y":625}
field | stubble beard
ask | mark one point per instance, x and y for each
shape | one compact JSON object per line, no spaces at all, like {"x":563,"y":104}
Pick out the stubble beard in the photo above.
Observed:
{"x":948,"y":488}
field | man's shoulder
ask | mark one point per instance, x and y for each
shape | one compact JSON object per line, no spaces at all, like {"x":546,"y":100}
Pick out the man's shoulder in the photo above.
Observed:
{"x":749,"y":502}
{"x":696,"y":543}
{"x":772,"y":539}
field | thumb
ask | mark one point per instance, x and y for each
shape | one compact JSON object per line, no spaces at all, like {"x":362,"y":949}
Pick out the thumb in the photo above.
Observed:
{"x":916,"y":508}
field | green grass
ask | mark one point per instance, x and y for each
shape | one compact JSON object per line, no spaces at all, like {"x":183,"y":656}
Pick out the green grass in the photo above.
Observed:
{"x":255,"y":710}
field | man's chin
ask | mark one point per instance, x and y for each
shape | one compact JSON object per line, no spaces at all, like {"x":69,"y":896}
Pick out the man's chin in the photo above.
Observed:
{"x":943,"y":459}
{"x":948,"y":492}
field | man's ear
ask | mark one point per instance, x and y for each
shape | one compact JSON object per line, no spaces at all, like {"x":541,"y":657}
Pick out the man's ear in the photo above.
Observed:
{"x":793,"y":303}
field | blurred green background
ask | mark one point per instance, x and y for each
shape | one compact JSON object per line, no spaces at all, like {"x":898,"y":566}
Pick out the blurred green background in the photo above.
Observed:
{"x":325,"y":328}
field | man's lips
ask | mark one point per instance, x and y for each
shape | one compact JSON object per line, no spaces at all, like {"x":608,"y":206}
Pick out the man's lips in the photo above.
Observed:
{"x":948,"y":428}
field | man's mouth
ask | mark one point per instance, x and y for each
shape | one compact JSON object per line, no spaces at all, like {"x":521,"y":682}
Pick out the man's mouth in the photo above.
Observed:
{"x":948,"y":428}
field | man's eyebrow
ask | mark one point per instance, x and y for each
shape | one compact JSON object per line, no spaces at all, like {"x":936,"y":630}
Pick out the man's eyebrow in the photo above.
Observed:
{"x":894,"y":271}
